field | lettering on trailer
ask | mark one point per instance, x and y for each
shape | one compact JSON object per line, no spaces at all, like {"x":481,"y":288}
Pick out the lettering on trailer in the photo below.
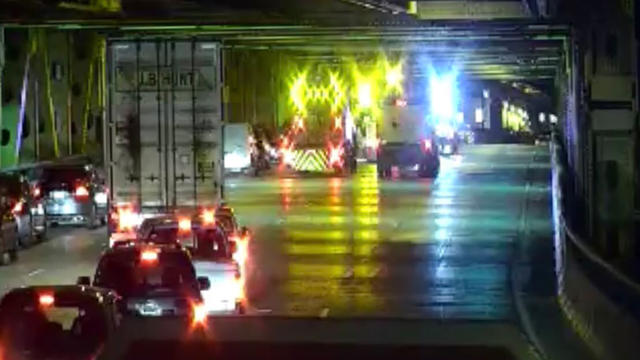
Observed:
{"x":149,"y":79}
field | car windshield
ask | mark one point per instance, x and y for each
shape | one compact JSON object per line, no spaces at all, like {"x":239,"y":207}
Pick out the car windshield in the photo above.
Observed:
{"x":211,"y":244}
{"x":168,"y":274}
{"x":63,"y":174}
{"x":162,"y":235}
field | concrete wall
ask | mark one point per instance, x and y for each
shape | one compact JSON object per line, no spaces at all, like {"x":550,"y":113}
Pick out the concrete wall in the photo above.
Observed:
{"x":250,"y":82}
{"x":600,"y":302}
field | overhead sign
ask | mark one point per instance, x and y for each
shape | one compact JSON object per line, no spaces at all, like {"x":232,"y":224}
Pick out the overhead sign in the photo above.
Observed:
{"x":471,"y":10}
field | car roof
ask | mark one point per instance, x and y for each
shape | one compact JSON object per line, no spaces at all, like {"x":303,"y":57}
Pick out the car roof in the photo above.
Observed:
{"x":63,"y":166}
{"x":79,"y":292}
{"x":171,"y":220}
{"x":135,"y":249}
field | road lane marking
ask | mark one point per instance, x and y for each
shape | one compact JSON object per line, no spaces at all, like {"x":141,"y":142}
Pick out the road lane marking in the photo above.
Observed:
{"x":35,"y":272}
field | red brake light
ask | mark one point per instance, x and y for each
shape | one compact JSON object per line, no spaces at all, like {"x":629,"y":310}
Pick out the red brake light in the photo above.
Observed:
{"x":335,"y":155}
{"x":184,"y":225}
{"x":36,"y":191}
{"x":17,"y":208}
{"x":81,"y":192}
{"x":427,"y":145}
{"x":149,"y":256}
{"x":125,"y":218}
{"x":46,"y":300}
{"x":199,"y":314}
{"x":401,"y":102}
{"x":208,"y":217}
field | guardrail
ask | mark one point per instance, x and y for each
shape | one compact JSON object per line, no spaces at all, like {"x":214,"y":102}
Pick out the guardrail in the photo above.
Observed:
{"x":602,"y":302}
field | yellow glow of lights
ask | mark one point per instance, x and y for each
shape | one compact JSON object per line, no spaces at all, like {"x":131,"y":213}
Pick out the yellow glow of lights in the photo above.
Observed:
{"x":297,"y":93}
{"x":394,"y":77}
{"x":364,"y":95}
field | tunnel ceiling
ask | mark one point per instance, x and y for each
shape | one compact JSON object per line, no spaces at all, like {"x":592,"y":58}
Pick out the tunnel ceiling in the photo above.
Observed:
{"x":521,"y":49}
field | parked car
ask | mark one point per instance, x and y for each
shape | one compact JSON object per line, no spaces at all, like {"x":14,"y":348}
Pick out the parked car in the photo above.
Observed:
{"x":27,"y":208}
{"x":73,"y":193}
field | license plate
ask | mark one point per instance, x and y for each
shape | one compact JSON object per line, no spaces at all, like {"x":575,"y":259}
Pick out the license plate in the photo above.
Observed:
{"x":58,"y":195}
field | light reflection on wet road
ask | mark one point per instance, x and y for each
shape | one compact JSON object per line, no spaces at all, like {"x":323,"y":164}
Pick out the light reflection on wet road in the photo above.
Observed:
{"x":402,"y":247}
{"x":362,"y":246}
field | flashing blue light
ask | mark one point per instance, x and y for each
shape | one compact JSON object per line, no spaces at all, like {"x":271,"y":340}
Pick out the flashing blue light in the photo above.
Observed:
{"x":443,"y":96}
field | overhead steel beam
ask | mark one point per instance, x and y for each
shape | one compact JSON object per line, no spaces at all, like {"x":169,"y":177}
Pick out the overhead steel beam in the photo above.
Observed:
{"x":532,"y":7}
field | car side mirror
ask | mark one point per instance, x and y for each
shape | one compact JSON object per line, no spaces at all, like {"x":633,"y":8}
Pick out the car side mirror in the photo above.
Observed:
{"x":84,"y":280}
{"x":204,"y":283}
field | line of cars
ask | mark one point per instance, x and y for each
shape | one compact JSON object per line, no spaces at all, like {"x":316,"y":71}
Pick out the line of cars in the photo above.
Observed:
{"x":37,"y":197}
{"x":189,"y":266}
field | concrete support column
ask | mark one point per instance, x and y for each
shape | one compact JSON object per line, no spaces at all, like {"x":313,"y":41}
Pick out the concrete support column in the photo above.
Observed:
{"x":611,"y":110}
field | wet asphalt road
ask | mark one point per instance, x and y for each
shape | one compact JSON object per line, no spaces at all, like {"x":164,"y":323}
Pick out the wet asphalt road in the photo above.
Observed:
{"x":402,"y":247}
{"x":360,"y":246}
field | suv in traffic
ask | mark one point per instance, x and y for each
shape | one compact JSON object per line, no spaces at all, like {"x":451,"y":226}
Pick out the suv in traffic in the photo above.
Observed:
{"x":72,"y":193}
{"x":152,"y":280}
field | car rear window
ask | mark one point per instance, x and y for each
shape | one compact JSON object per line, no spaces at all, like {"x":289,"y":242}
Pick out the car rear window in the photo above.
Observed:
{"x":65,"y":174}
{"x":130,"y":276}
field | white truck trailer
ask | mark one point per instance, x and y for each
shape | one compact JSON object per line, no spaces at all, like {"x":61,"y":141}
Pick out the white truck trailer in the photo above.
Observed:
{"x":164,"y":130}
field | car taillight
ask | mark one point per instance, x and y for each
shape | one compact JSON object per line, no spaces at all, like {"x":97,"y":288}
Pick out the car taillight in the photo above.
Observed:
{"x":46,"y":300}
{"x":208,"y":217}
{"x":184,"y":225}
{"x":427,"y":145}
{"x":199,"y":314}
{"x":36,"y":191}
{"x":125,"y":218}
{"x":335,"y":155}
{"x":81,"y":192}
{"x":17,"y":208}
